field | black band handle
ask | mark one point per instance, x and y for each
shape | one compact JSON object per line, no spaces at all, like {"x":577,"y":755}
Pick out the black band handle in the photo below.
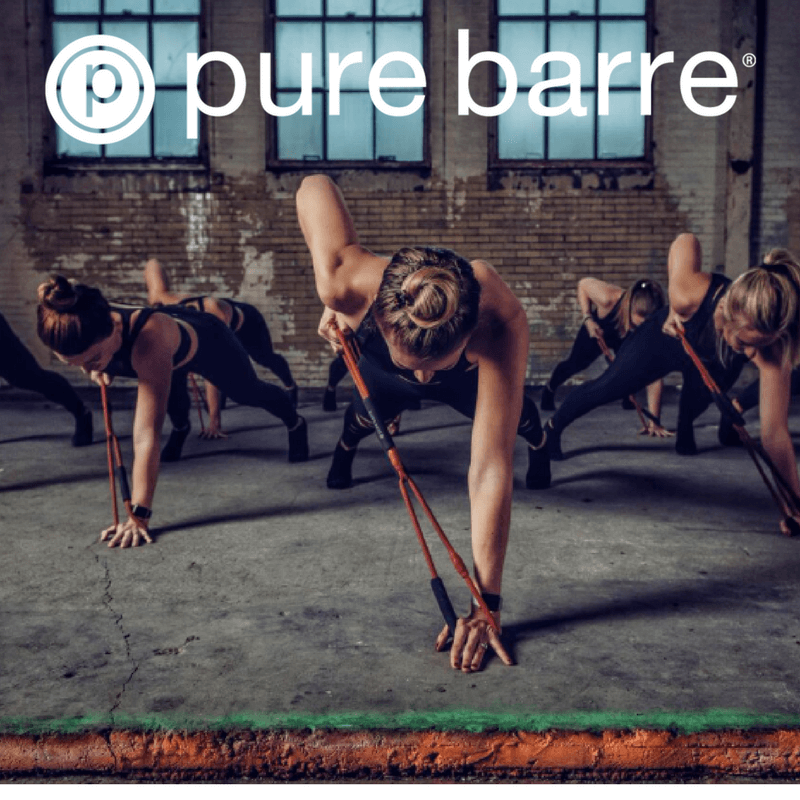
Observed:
{"x":445,"y":606}
{"x":122,"y":477}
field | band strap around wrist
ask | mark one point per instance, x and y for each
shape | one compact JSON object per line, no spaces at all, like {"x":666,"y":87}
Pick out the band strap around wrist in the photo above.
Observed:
{"x":494,"y":602}
{"x":142,"y":512}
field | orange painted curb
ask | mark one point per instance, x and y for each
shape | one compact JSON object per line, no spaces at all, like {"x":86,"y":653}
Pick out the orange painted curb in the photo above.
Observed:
{"x":320,"y":755}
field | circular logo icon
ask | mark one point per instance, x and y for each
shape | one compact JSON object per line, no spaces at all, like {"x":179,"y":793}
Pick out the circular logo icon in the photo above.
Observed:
{"x":100,"y":89}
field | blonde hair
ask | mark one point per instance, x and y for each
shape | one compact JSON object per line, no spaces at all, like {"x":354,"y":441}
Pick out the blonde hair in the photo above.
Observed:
{"x":768,"y":297}
{"x":644,"y":297}
{"x":428,"y":301}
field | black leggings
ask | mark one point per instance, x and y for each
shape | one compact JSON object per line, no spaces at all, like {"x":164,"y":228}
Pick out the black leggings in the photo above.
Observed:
{"x":19,"y":367}
{"x":222,"y":360}
{"x":393,"y":394}
{"x":336,"y":371}
{"x":646,"y":355}
{"x":585,"y":351}
{"x":256,"y":340}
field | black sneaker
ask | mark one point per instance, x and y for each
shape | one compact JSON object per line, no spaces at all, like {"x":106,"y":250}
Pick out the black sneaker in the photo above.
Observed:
{"x":685,"y":444}
{"x":329,"y":400}
{"x":298,"y":441}
{"x":553,"y":443}
{"x":174,"y":446}
{"x":340,"y":475}
{"x":84,"y":429}
{"x":538,"y":476}
{"x":548,"y":399}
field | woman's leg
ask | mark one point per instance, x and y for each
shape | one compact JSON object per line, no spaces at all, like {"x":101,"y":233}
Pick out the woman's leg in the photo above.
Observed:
{"x":178,"y":408}
{"x":336,"y":371}
{"x":19,"y":367}
{"x":584,"y":352}
{"x":256,"y":340}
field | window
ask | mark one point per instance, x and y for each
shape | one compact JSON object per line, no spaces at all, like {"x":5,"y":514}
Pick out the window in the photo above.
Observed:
{"x":360,"y":132}
{"x":164,"y":31}
{"x":528,"y":28}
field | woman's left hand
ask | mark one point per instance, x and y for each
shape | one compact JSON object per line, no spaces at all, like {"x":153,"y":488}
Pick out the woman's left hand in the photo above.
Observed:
{"x":472,"y":639}
{"x":654,"y":429}
{"x":126,"y":534}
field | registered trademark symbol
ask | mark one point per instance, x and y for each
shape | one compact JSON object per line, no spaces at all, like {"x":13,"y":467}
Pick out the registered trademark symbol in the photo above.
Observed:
{"x":749,"y":60}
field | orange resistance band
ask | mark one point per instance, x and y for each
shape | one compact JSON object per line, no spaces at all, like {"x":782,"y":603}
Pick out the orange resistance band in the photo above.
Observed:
{"x":407,"y":483}
{"x":115,"y":455}
{"x":782,"y":493}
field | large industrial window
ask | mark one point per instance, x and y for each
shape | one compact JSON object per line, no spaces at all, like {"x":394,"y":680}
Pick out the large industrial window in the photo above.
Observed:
{"x":528,"y":28}
{"x":164,"y":31}
{"x":360,"y":132}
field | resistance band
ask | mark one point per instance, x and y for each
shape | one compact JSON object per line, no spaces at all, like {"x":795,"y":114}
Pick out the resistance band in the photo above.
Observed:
{"x":406,"y":483}
{"x":115,"y":456}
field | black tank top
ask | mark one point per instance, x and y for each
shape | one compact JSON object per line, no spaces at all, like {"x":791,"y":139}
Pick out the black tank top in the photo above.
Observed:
{"x":121,"y":364}
{"x":374,"y":347}
{"x":608,"y":325}
{"x":700,"y":330}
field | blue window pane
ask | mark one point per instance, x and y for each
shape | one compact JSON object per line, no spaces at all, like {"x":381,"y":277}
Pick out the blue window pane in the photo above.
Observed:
{"x":572,"y":6}
{"x":67,"y":146}
{"x":619,"y":37}
{"x":351,"y":37}
{"x":171,"y":42}
{"x":170,"y":125}
{"x":521,"y":42}
{"x":398,"y":8}
{"x":66,"y":32}
{"x":127,"y":6}
{"x":405,"y":37}
{"x":577,"y":38}
{"x":137,"y":145}
{"x":133,"y":32}
{"x":399,"y":138}
{"x":621,"y":6}
{"x":570,"y":136}
{"x":521,"y":132}
{"x":511,"y":7}
{"x":300,"y":137}
{"x":298,"y":8}
{"x":350,"y":134}
{"x":292,"y":39}
{"x":176,"y":7}
{"x":621,"y":133}
{"x":341,"y":8}
{"x":76,"y":6}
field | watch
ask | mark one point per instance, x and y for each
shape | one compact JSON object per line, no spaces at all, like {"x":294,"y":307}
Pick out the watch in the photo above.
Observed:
{"x":142,"y":512}
{"x":494,"y":602}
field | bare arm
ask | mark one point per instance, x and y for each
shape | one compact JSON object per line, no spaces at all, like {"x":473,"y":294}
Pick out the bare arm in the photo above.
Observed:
{"x":775,"y":393}
{"x":688,"y":284}
{"x":601,"y":294}
{"x":347,"y":275}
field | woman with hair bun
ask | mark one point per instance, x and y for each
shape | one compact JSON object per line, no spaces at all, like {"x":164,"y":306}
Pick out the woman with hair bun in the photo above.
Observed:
{"x":432,"y":325}
{"x":158,"y":347}
{"x":755,"y":318}
{"x":609,"y":313}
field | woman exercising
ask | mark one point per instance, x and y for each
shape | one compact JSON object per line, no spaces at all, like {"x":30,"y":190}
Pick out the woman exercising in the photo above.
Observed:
{"x":243,"y":319}
{"x":158,"y":347}
{"x":610,"y":313}
{"x":19,"y":368}
{"x":756,"y":318}
{"x":433,"y":325}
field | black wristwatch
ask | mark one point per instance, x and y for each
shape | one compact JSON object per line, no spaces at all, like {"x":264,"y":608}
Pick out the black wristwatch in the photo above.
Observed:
{"x":494,"y":602}
{"x":142,"y":512}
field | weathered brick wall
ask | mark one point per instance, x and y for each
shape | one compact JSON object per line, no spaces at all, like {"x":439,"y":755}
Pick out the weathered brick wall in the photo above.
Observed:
{"x":231,"y":229}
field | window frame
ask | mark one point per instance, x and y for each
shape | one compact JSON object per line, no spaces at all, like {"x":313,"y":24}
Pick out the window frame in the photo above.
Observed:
{"x":277,"y":165}
{"x":633,"y":164}
{"x":58,"y":164}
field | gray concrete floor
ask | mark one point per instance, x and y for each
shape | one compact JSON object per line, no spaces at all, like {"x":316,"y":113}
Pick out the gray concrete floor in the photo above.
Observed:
{"x":640,"y":582}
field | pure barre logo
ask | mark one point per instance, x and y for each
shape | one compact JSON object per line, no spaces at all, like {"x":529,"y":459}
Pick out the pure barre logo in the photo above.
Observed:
{"x":100,"y":89}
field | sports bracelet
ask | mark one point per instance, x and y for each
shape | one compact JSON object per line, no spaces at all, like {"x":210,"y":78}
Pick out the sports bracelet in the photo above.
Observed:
{"x":494,"y":602}
{"x":142,"y":512}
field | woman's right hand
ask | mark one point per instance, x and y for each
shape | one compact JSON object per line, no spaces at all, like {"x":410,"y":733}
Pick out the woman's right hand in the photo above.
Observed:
{"x":126,"y":534}
{"x":593,"y":328}
{"x":673,"y":324}
{"x":326,"y":331}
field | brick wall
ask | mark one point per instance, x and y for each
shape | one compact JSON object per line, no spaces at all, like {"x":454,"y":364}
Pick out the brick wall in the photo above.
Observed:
{"x":231,"y":229}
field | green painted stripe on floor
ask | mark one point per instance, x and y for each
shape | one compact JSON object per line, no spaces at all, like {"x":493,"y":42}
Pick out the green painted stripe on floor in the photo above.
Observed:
{"x":472,"y":721}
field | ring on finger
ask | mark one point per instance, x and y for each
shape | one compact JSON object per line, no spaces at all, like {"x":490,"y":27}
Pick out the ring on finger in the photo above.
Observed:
{"x":485,"y":645}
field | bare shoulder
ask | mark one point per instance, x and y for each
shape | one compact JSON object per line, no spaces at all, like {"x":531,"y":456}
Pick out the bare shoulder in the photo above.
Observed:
{"x":157,"y":340}
{"x":497,"y":299}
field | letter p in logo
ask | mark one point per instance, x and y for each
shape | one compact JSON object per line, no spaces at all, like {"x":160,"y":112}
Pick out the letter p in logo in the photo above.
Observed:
{"x":100,"y":89}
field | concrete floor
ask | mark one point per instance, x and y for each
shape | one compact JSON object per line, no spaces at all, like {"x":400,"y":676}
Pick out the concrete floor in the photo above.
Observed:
{"x":640,"y":584}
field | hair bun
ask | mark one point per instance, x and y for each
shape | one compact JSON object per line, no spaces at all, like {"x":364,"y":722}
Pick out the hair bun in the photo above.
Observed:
{"x":58,"y":294}
{"x":431,"y":296}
